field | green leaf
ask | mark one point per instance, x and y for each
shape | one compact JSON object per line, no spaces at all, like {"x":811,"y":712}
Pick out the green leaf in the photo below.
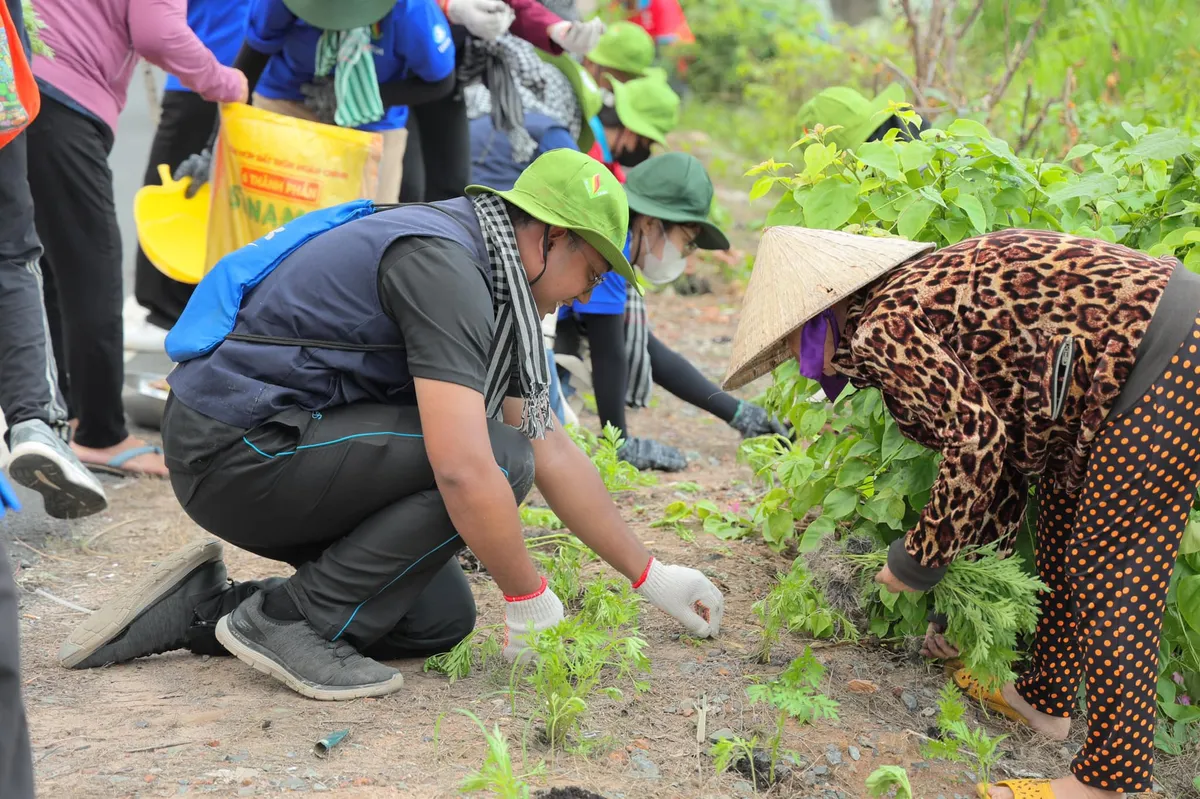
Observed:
{"x":1165,"y":145}
{"x":1196,"y":782}
{"x":786,"y":212}
{"x":853,"y":472}
{"x":817,"y":156}
{"x":893,"y":441}
{"x":968,"y":127}
{"x":1188,"y":593}
{"x":863,"y":447}
{"x":884,"y":778}
{"x":780,"y":526}
{"x":912,"y":221}
{"x":974,"y":211}
{"x":883,"y":207}
{"x":1088,"y":187}
{"x":1079,"y":151}
{"x":812,"y":421}
{"x":830,"y":204}
{"x":840,"y":503}
{"x":761,"y":187}
{"x":879,"y":155}
{"x":879,"y":627}
{"x":820,"y":527}
{"x":1191,"y":537}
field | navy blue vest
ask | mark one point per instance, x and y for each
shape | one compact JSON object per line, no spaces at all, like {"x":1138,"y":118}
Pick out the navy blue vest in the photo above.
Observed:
{"x":492,"y":162}
{"x":327,"y":290}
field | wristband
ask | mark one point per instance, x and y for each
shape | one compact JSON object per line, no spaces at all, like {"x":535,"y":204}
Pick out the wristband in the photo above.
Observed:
{"x":541,"y":590}
{"x":638,"y":583}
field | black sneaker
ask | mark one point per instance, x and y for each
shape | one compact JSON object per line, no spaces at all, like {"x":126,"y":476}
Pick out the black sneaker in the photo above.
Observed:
{"x":153,"y":616}
{"x":296,"y":655}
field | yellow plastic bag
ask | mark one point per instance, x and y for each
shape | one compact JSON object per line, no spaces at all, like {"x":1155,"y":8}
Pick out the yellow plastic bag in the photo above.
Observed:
{"x":269,"y":169}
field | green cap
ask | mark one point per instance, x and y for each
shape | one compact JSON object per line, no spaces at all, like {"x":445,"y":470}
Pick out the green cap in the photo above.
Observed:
{"x":647,"y":106}
{"x":840,"y":105}
{"x":344,"y":15}
{"x":568,"y":189}
{"x":626,"y":47}
{"x":589,"y":95}
{"x":675,"y":188}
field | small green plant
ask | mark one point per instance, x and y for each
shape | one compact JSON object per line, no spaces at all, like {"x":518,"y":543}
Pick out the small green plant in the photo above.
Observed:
{"x":728,"y":525}
{"x":960,"y":743}
{"x":610,"y":604}
{"x":33,"y":28}
{"x":687,"y":487}
{"x":496,"y":775}
{"x":795,"y":603}
{"x":474,"y":652}
{"x":540,"y":518}
{"x":883,"y":779}
{"x":567,"y":665}
{"x":728,"y":753}
{"x":603,"y":450}
{"x":795,"y":692}
{"x":563,"y":564}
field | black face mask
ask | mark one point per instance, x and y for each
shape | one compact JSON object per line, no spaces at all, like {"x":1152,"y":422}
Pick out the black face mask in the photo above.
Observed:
{"x":632,"y":158}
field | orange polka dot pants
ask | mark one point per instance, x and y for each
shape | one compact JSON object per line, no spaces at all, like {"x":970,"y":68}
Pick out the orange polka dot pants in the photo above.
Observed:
{"x":1107,"y":552}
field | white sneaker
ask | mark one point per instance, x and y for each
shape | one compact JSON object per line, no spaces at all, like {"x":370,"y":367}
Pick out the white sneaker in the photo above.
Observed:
{"x":45,"y":463}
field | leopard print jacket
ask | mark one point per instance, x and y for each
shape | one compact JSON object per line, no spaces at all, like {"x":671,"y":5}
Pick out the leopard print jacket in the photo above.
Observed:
{"x":961,"y":343}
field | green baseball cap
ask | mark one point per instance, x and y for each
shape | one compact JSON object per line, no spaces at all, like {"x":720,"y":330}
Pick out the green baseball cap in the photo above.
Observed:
{"x":647,"y":106}
{"x":674,"y":187}
{"x":571,"y":190}
{"x":841,"y":105}
{"x":626,"y":47}
{"x":589,"y":95}
{"x":343,"y":15}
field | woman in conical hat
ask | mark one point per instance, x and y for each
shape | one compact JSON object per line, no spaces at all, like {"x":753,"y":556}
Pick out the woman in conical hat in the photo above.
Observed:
{"x":1020,"y":355}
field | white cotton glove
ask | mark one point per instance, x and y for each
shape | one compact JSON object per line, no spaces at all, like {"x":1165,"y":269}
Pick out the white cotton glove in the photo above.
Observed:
{"x":686,"y":594}
{"x":576,"y":37}
{"x":526,"y":615}
{"x":484,"y":19}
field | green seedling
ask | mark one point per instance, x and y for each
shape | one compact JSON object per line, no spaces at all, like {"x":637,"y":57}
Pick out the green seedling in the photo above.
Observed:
{"x":540,"y":518}
{"x":730,"y":752}
{"x":883,"y":779}
{"x":795,"y":692}
{"x":474,"y":652}
{"x":795,"y":603}
{"x":561,"y":557}
{"x":496,"y":775}
{"x":610,"y":604}
{"x":960,"y":743}
{"x":603,"y":451}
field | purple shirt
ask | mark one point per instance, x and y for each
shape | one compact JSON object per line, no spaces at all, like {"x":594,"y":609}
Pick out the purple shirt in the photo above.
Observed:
{"x":97,"y":43}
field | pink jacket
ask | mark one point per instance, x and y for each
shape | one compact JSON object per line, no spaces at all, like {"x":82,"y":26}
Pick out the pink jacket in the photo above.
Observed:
{"x":96,"y":46}
{"x":532,"y":20}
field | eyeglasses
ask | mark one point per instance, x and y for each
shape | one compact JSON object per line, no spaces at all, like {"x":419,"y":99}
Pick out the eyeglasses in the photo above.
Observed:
{"x":688,"y":248}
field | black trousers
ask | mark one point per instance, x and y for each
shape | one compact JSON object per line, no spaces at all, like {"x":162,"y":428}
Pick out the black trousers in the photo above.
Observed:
{"x":610,"y":369}
{"x":16,"y":764}
{"x":348,"y":497}
{"x":28,"y":375}
{"x":437,"y":161}
{"x":183,"y":129}
{"x":76,"y":220}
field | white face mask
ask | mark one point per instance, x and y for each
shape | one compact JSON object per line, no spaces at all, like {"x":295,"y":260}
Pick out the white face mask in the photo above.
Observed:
{"x":663,"y":270}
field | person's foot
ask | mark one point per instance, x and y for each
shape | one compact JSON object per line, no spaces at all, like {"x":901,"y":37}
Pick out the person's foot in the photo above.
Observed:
{"x":45,"y":463}
{"x":751,"y":420}
{"x":133,"y":456}
{"x":154,"y":615}
{"x":296,"y":655}
{"x":1063,"y":788}
{"x":1054,"y":727}
{"x":646,"y":453}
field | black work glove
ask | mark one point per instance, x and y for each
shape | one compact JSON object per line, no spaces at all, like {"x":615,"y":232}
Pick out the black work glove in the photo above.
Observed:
{"x":321,"y":99}
{"x":751,"y":420}
{"x":197,"y":167}
{"x":646,"y":453}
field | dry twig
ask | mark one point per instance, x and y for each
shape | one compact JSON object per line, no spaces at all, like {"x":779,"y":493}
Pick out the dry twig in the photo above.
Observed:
{"x":1019,"y":56}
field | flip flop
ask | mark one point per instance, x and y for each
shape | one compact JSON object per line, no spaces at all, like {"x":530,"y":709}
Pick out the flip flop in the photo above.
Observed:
{"x":115,"y":464}
{"x":1022,"y":789}
{"x":992,"y":700}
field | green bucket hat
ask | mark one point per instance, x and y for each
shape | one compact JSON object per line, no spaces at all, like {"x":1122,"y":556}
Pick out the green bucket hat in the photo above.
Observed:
{"x":647,"y":106}
{"x":626,"y":47}
{"x":571,"y":190}
{"x":589,"y":95}
{"x":674,"y":187}
{"x":340,"y":15}
{"x":840,"y":105}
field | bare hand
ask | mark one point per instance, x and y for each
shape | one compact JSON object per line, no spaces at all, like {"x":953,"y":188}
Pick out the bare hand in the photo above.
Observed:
{"x":936,"y":645}
{"x":892,"y":583}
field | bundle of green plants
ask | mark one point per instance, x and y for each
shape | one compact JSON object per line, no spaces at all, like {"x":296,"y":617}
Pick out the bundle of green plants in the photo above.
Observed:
{"x":796,"y":603}
{"x":604,"y":452}
{"x":989,"y":602}
{"x":480,"y":648}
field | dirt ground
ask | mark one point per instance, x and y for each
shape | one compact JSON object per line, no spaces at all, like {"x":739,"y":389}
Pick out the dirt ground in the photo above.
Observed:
{"x":178,"y":724}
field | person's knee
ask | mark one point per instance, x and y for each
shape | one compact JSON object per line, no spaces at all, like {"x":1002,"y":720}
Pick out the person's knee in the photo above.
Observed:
{"x":514,"y":454}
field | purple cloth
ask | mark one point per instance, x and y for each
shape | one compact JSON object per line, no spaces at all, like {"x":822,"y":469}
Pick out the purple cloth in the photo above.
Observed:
{"x":812,"y":353}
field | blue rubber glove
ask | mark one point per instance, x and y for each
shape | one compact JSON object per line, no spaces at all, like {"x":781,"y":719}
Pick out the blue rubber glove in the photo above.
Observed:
{"x":8,"y":497}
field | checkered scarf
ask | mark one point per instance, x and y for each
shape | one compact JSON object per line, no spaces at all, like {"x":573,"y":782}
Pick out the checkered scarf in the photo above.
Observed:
{"x":541,"y":88}
{"x":518,"y":326}
{"x":491,"y":63}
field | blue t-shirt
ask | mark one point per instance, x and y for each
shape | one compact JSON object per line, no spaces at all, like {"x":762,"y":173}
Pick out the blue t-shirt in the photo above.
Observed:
{"x":412,"y":40}
{"x":607,"y":298}
{"x":492,"y":162}
{"x":221,"y":25}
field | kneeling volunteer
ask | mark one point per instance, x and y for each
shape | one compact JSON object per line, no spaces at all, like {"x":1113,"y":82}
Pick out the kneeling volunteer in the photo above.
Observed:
{"x":350,"y":419}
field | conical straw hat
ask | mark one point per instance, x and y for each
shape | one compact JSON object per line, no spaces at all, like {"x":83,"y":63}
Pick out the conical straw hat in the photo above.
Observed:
{"x":798,"y":273}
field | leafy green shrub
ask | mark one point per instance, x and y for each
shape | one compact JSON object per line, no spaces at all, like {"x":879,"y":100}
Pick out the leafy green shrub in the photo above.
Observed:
{"x":795,"y":692}
{"x":796,"y":603}
{"x":960,"y":743}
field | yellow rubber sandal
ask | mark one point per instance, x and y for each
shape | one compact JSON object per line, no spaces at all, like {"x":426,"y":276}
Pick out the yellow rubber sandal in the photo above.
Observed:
{"x":992,"y":700}
{"x":1022,"y":789}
